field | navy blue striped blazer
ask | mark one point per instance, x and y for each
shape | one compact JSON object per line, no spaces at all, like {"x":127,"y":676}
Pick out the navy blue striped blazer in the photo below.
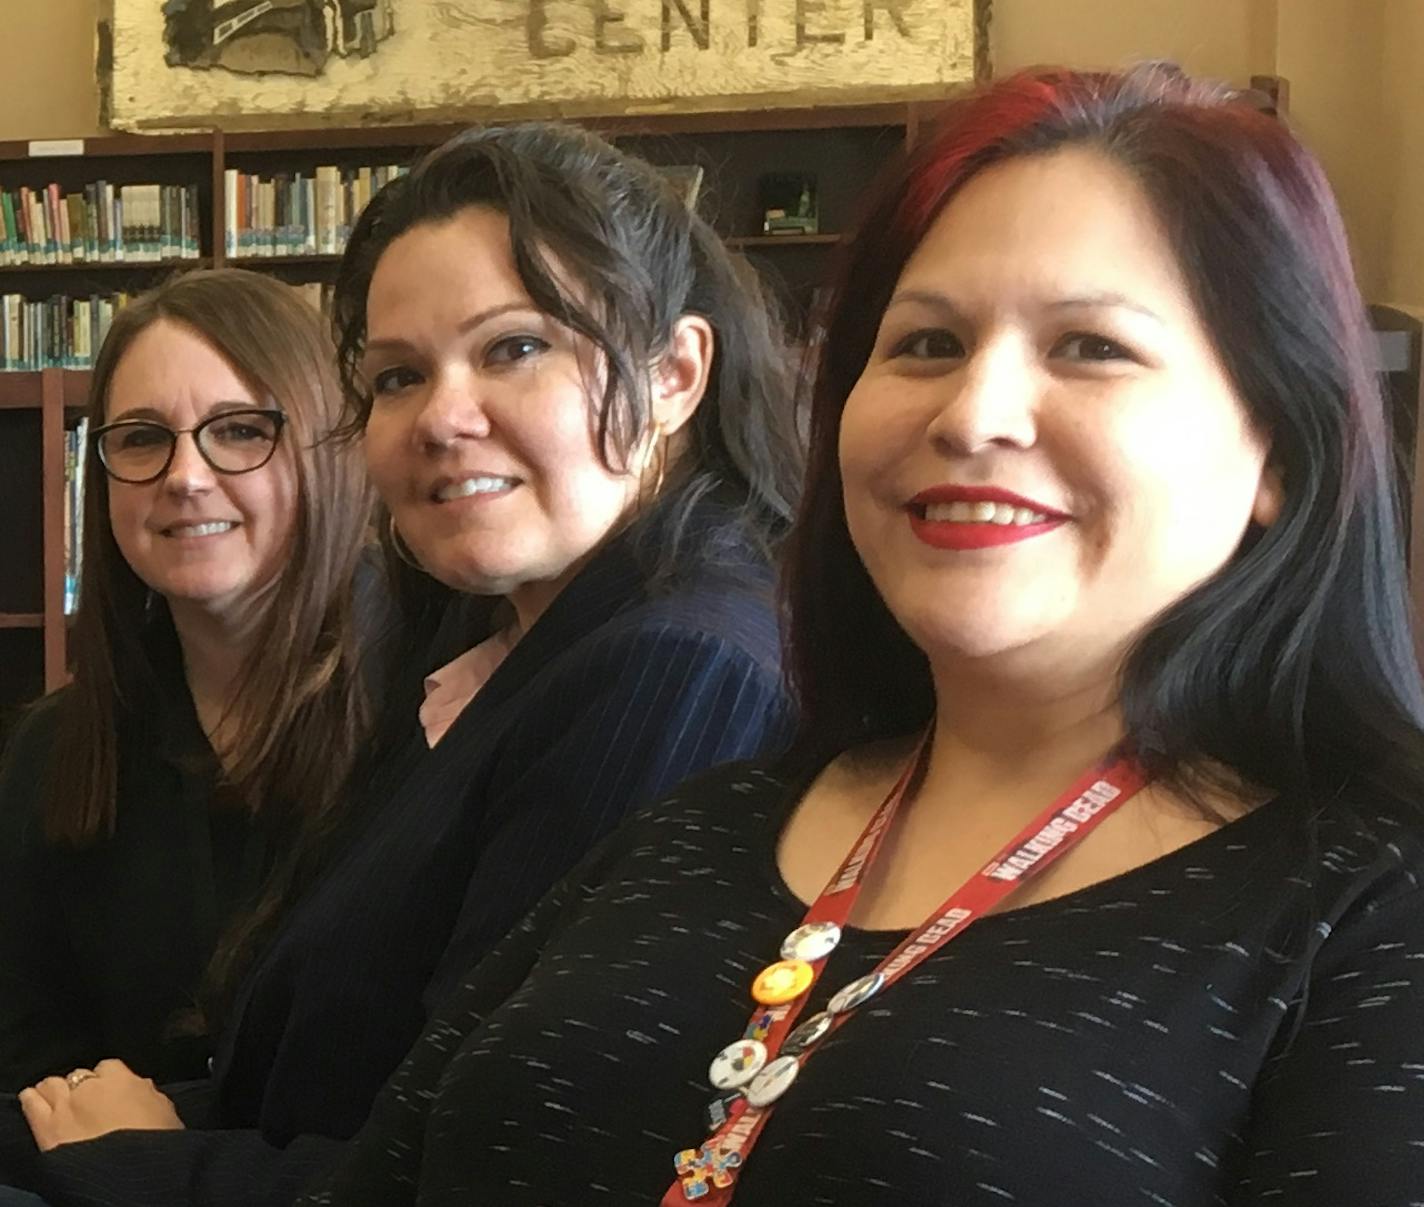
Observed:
{"x":617,"y":693}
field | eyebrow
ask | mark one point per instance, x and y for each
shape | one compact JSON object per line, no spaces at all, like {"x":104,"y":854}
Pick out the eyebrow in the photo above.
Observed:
{"x":395,"y":344}
{"x":1106,"y":299}
{"x":155,"y":416}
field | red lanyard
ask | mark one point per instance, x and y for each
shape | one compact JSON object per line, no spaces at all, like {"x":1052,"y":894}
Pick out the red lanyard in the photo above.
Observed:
{"x":708,"y":1174}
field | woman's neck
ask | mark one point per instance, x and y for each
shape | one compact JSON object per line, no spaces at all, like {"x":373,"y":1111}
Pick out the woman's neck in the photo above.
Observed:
{"x":999,"y":740}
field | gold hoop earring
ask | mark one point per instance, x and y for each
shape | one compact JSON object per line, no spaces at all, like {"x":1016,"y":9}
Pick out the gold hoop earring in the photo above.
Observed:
{"x":402,"y":549}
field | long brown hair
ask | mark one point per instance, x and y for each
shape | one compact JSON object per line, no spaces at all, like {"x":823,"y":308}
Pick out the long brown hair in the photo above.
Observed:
{"x":298,"y":713}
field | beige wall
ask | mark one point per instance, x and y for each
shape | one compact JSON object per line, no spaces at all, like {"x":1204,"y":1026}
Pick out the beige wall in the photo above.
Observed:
{"x":1401,"y":169}
{"x":47,"y":87}
{"x":1335,"y":49}
{"x":1230,"y":39}
{"x":1356,"y":93}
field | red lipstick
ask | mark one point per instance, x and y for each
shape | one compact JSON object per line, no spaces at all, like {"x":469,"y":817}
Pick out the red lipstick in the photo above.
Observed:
{"x":978,"y":534}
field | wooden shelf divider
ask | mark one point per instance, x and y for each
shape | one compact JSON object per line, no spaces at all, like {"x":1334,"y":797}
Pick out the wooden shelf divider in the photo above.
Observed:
{"x":21,"y":620}
{"x":82,"y":266}
{"x":763,"y":241}
{"x":291,"y":258}
{"x":52,"y":450}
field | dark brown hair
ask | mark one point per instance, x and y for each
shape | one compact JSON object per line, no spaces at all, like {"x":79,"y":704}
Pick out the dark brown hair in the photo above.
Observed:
{"x":1292,"y":667}
{"x":642,"y":260}
{"x":299,"y":715}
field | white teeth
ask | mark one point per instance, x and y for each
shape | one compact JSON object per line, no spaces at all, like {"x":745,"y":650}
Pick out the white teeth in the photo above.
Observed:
{"x":473,"y":486}
{"x":982,"y":513}
{"x":212,"y":529}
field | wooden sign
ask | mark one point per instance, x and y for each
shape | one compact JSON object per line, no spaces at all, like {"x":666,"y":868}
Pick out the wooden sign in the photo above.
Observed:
{"x":245,"y":63}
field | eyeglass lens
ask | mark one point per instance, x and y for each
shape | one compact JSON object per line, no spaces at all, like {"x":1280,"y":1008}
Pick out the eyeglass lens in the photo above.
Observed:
{"x":231,"y":443}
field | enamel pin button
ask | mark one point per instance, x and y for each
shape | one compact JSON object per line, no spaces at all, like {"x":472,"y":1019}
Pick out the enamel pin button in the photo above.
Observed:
{"x":782,"y":982}
{"x":812,"y":942}
{"x":857,"y":993}
{"x":737,"y":1064}
{"x":807,"y":1035}
{"x":773,"y":1081}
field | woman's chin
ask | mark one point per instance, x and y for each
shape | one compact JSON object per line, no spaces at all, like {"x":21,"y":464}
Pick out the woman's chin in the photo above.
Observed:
{"x":980,"y":638}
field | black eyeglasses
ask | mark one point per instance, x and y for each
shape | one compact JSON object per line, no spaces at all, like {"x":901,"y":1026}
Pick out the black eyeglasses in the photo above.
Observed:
{"x":232,"y":442}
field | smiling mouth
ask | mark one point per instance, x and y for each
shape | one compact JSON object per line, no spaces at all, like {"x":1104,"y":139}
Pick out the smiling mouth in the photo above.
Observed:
{"x":961,"y":512}
{"x":209,"y":528}
{"x":464,"y":488}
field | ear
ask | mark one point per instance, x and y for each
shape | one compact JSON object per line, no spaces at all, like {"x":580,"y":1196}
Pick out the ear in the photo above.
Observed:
{"x":680,"y":377}
{"x":1270,"y":497}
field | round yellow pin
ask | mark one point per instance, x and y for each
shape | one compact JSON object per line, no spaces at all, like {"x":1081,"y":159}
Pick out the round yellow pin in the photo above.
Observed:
{"x":784,"y":981}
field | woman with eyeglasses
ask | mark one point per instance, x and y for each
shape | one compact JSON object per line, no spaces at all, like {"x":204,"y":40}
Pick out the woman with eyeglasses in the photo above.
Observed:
{"x":216,"y":706}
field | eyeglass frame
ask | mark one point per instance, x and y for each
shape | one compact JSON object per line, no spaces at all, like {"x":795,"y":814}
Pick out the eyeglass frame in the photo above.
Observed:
{"x":96,"y":438}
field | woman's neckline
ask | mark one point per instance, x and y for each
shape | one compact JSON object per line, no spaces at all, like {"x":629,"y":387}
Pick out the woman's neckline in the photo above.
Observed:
{"x":803,"y":777}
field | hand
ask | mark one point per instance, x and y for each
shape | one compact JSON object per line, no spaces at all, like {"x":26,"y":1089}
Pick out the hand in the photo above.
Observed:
{"x":111,"y":1098}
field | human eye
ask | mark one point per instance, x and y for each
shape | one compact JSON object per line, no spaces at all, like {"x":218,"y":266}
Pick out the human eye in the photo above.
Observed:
{"x":394,"y":379}
{"x":927,"y":344}
{"x":511,"y":349}
{"x":244,"y":429}
{"x":142,"y":435}
{"x":1086,"y":347}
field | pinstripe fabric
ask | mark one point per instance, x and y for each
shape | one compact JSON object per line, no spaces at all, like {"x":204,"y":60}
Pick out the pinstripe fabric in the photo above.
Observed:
{"x":614,"y":696}
{"x":1239,"y":1023}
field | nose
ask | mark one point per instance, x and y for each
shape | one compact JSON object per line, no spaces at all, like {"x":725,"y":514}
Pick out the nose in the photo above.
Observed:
{"x":992,"y":400}
{"x":188,"y":473}
{"x":453,"y":409}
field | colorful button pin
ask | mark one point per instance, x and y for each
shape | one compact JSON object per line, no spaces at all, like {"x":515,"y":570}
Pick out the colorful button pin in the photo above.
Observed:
{"x":782,"y":982}
{"x":737,"y":1064}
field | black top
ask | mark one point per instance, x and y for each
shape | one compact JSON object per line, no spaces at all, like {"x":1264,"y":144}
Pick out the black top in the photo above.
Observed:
{"x":616,"y":694}
{"x":101,"y":947}
{"x":1238,"y":1022}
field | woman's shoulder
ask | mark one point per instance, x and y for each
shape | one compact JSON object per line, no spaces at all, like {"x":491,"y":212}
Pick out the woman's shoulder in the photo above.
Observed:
{"x":1363,"y":851}
{"x":737,"y":609}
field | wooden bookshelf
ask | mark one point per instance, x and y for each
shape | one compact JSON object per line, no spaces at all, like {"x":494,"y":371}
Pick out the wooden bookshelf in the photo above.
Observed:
{"x":844,"y":147}
{"x":34,"y":409}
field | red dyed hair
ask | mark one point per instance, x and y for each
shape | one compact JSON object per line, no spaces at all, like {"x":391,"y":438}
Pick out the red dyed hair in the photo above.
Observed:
{"x":1242,"y":671}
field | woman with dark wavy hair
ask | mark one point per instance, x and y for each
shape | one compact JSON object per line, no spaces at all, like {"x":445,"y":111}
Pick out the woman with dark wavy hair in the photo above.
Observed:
{"x":1097,"y":879}
{"x":575,"y":409}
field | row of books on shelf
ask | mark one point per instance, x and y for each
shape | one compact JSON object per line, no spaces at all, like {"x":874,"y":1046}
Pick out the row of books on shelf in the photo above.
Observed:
{"x":76,"y":452}
{"x":103,"y":223}
{"x":295,"y":213}
{"x":64,"y":332}
{"x":57,"y":332}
